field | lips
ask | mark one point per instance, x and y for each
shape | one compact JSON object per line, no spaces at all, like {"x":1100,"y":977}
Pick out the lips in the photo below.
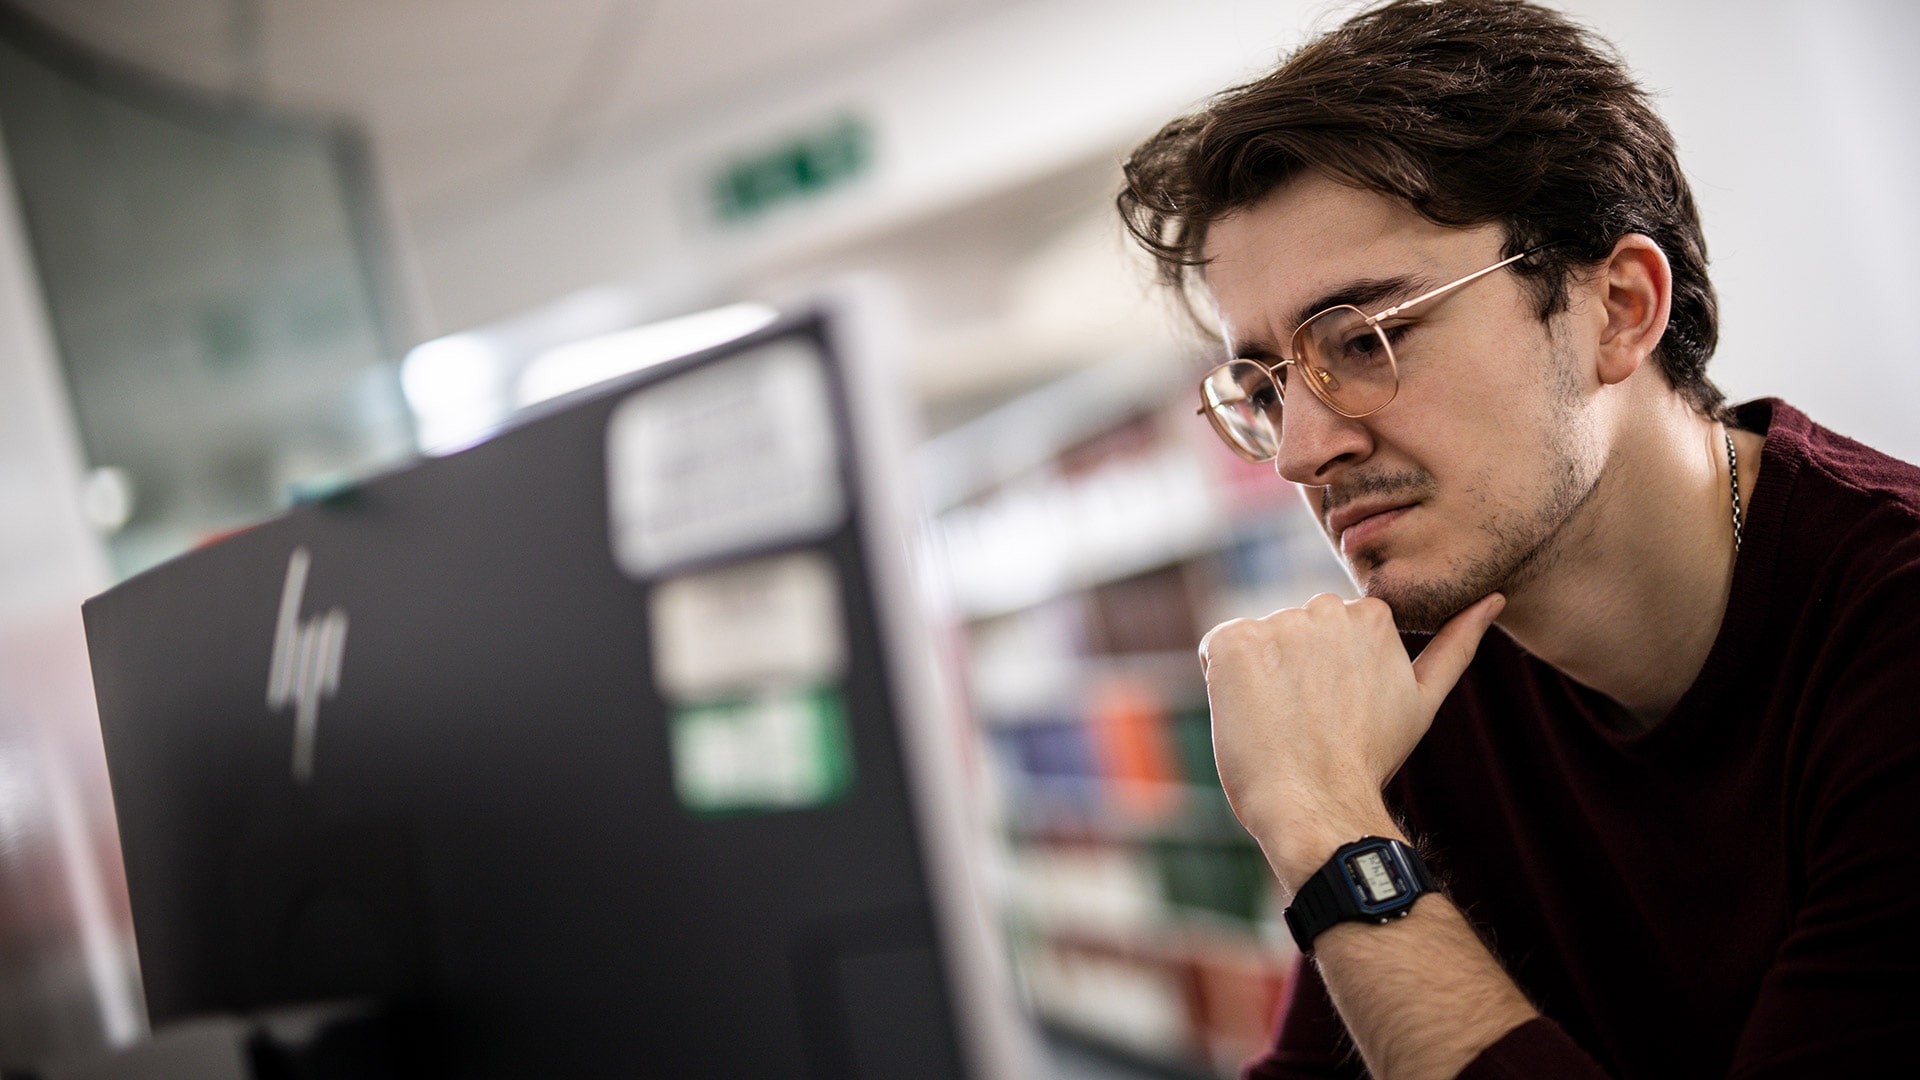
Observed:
{"x":1358,"y":524}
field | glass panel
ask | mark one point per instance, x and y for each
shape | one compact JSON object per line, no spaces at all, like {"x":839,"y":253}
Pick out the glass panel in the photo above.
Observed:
{"x":212,"y":292}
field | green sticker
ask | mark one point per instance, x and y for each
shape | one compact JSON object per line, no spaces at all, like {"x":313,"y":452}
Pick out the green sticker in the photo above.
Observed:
{"x":775,"y":750}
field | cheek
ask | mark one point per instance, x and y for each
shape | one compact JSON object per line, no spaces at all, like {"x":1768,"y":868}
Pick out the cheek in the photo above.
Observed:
{"x":1487,"y":499}
{"x":1484,"y":437}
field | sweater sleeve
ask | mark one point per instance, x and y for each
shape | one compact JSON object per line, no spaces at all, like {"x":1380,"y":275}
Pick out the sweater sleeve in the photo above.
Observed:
{"x":1312,"y":1044}
{"x":1535,"y":1049}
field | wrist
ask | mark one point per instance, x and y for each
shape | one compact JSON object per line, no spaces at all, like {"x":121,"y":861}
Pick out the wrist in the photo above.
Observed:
{"x":1373,"y":879}
{"x":1298,"y":852}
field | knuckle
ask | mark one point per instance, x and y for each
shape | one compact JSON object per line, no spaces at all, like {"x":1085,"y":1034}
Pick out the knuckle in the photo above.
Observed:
{"x":1283,"y":623}
{"x":1372,"y":607}
{"x":1224,"y":634}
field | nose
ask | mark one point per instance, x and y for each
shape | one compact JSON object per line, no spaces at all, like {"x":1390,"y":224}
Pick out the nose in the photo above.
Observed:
{"x":1316,"y":443}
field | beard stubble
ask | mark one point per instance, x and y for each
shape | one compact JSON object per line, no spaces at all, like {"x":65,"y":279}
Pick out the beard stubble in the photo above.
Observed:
{"x":1520,"y":545}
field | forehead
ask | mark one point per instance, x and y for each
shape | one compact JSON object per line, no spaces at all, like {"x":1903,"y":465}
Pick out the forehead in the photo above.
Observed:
{"x":1314,"y":237}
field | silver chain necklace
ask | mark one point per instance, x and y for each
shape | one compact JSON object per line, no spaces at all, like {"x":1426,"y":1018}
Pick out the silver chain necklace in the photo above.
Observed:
{"x":1733,"y":479}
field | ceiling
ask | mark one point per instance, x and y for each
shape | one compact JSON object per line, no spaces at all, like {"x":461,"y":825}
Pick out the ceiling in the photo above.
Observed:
{"x":466,"y":100}
{"x":460,"y":97}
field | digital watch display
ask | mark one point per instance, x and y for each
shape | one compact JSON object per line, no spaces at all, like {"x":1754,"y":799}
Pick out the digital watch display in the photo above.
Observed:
{"x":1373,"y":879}
{"x":1380,"y":883}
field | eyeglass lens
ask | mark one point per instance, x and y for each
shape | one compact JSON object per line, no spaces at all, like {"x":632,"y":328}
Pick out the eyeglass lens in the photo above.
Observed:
{"x":1344,"y":360}
{"x":1244,"y":404}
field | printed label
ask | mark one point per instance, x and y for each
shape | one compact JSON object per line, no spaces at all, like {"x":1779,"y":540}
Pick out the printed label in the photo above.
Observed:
{"x":733,"y":456}
{"x":768,"y":622}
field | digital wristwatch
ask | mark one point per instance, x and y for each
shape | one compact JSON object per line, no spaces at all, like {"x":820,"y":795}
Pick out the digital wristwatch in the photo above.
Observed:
{"x":1372,"y":880}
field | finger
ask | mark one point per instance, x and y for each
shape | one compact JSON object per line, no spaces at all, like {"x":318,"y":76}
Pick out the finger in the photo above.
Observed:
{"x":1208,"y":638}
{"x":1446,"y":657}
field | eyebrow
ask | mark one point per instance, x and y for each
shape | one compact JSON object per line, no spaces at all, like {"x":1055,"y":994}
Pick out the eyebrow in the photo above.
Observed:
{"x":1363,"y":294}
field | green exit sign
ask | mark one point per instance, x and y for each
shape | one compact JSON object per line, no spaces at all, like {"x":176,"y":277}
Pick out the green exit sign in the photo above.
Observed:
{"x":803,"y":167}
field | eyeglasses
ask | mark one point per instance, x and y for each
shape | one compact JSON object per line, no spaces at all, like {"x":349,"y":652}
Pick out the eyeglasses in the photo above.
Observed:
{"x":1346,"y":356}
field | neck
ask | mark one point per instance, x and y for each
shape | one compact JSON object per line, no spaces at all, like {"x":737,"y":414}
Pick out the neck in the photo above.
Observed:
{"x":1633,"y":599}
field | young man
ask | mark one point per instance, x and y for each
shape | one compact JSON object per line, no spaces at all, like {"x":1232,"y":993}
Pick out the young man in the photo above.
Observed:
{"x":1666,"y":810}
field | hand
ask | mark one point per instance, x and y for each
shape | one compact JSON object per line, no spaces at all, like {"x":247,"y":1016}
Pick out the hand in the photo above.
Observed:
{"x":1315,"y":708}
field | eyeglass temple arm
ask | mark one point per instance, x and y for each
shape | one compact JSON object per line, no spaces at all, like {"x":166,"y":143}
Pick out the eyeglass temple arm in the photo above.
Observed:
{"x":1469,"y":279}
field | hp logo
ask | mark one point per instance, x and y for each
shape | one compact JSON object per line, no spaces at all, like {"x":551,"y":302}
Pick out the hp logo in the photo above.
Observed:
{"x":306,"y":663}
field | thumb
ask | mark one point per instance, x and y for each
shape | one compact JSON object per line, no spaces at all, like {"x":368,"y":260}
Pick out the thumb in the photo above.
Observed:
{"x":1446,"y":657}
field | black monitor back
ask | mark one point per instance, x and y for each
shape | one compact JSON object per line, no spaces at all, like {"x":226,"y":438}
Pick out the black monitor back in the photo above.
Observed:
{"x":474,"y":795}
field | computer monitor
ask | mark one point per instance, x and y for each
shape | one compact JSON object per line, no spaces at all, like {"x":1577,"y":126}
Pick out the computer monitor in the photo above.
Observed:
{"x":606,"y":744}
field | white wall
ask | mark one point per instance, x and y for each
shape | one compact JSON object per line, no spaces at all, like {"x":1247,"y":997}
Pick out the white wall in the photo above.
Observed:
{"x":1793,"y":118}
{"x":1796,"y":122}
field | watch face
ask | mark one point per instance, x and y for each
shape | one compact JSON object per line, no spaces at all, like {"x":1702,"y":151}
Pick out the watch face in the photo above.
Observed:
{"x":1377,"y":879}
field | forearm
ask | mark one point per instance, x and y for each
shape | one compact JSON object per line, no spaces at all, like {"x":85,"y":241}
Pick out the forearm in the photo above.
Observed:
{"x":1421,"y":995}
{"x":1314,"y":709}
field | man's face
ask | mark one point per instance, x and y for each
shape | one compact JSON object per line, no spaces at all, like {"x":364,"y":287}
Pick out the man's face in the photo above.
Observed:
{"x":1471,"y":479}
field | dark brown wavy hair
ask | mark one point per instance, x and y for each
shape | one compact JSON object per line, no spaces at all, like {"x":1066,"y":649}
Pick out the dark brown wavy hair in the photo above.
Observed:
{"x":1469,"y":112}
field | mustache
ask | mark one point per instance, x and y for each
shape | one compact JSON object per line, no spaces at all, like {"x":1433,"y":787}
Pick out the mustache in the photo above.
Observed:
{"x":1410,"y":484}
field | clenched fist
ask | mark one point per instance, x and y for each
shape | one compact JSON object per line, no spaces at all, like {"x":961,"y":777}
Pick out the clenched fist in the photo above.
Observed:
{"x":1314,"y":710}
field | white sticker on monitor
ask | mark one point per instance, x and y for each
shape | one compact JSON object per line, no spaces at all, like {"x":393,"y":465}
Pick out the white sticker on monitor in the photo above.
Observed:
{"x":769,"y":622}
{"x":730,"y":457}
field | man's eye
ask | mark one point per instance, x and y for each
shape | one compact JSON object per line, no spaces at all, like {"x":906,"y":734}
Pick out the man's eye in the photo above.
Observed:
{"x":1364,"y":347}
{"x":1261,"y":395}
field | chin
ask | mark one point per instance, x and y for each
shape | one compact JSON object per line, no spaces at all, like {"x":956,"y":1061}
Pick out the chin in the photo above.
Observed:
{"x":1420,"y":605}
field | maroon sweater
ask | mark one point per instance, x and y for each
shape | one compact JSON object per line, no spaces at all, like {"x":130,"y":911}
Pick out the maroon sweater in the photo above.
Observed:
{"x":1737,"y":891}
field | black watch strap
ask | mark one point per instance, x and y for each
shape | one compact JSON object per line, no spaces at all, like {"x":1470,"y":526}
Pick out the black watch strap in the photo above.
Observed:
{"x":1373,"y":879}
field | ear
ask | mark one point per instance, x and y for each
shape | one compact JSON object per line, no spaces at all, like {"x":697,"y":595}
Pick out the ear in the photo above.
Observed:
{"x":1638,"y":296}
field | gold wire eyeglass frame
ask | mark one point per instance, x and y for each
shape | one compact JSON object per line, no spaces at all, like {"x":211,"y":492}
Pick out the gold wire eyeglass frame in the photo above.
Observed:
{"x":1212,"y":405}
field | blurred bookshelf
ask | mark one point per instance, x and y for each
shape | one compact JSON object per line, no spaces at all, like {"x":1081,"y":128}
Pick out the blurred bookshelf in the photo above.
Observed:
{"x":1087,"y":535}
